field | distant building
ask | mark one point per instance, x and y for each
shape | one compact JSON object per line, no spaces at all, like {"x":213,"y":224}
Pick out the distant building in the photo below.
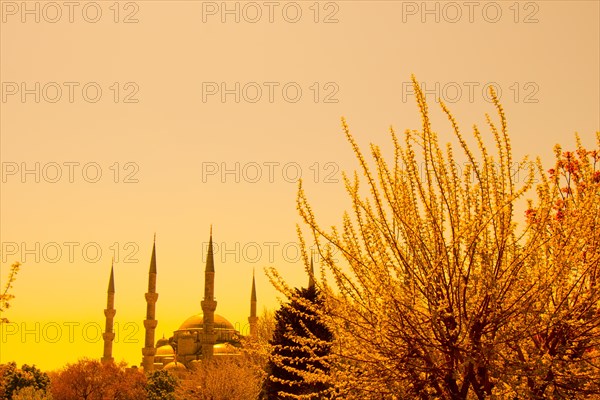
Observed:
{"x":201,"y":336}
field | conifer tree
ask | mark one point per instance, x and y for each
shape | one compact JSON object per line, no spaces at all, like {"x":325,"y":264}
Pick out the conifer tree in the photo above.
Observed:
{"x":301,"y":345}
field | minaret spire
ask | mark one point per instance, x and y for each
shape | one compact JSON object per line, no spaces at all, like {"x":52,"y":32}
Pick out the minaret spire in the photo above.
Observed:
{"x":253,"y":319}
{"x":209,"y":305}
{"x":253,"y":294}
{"x":109,"y":313}
{"x":111,"y":281}
{"x":153,"y":258}
{"x":311,"y":273}
{"x":210,"y":262}
{"x":150,"y":322}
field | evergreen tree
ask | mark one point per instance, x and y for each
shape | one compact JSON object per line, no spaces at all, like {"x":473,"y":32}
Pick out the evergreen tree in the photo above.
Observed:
{"x":301,"y":345}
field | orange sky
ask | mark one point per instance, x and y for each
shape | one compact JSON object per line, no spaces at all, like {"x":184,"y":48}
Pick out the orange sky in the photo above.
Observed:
{"x":176,"y":152}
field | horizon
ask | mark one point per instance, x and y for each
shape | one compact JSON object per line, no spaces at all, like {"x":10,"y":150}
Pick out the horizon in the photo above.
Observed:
{"x":169,"y":120}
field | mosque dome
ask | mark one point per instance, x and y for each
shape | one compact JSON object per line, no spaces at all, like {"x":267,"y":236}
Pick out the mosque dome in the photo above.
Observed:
{"x":162,"y":342}
{"x":197,"y":322}
{"x":223,"y":349}
{"x":165,"y":350}
{"x":175,"y":367}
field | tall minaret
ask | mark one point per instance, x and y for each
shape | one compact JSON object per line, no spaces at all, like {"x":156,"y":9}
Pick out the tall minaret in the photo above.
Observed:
{"x":311,"y":274}
{"x":253,"y":319}
{"x":150,"y":322}
{"x":109,"y":313}
{"x":209,"y":305}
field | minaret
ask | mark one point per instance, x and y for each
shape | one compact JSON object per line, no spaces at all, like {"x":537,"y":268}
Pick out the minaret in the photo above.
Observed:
{"x":209,"y":305}
{"x":150,"y":322}
{"x":109,"y":313}
{"x":311,"y":274}
{"x":253,"y":319}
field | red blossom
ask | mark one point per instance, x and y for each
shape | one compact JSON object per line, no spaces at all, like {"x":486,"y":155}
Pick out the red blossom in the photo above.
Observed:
{"x":530,"y":214}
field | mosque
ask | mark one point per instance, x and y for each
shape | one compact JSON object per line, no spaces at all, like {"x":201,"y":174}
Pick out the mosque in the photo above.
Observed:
{"x":200,"y":337}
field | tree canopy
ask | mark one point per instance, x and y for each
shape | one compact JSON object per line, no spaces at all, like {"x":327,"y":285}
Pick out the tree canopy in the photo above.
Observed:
{"x":442,"y":291}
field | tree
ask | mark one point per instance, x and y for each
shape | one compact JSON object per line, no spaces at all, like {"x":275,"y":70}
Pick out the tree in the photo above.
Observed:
{"x":222,"y":379}
{"x":266,"y":325}
{"x":130,"y":385}
{"x":299,"y":349}
{"x":161,"y":386}
{"x":15,"y":379}
{"x":4,"y":369}
{"x":30,"y":393}
{"x":562,"y":358}
{"x":438,"y":290}
{"x":91,"y":380}
{"x":6,"y":296}
{"x":257,"y":349}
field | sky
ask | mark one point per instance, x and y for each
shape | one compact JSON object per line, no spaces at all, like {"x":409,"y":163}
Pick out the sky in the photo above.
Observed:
{"x":122,"y":120}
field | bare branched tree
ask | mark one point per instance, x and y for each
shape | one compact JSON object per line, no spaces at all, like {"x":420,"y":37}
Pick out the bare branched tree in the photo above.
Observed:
{"x":439,"y":293}
{"x":5,"y":295}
